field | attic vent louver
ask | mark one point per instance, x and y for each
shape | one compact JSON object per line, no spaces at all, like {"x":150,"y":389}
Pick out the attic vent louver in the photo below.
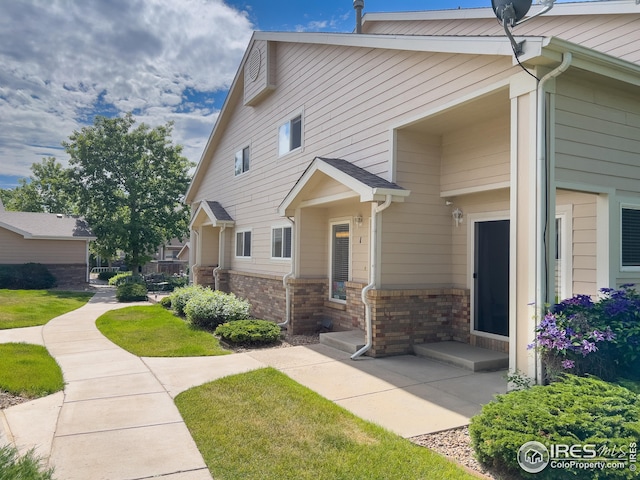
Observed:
{"x":254,"y":64}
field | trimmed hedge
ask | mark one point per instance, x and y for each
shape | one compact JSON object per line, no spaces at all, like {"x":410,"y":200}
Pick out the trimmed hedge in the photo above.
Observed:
{"x":250,"y":332}
{"x":107,"y":275}
{"x":572,"y":411}
{"x":28,"y":276}
{"x":131,"y":292}
{"x":120,"y":278}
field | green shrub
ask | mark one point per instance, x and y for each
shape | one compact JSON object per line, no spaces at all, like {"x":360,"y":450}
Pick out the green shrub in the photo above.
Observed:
{"x":131,"y":292}
{"x":165,"y":302}
{"x":572,"y":411}
{"x":180,"y":296}
{"x":209,"y":309}
{"x":107,"y":275}
{"x":120,"y":278}
{"x":28,"y":276}
{"x":27,"y":467}
{"x":251,"y":332}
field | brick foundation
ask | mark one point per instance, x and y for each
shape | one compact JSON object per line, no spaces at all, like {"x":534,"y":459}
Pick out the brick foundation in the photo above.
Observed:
{"x":203,"y":275}
{"x":402,"y":318}
{"x":490,"y":343}
{"x":265,"y":292}
{"x":69,"y":274}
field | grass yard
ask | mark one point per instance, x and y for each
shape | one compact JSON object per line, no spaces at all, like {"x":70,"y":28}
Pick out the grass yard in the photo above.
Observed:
{"x":29,"y":308}
{"x":27,"y":467}
{"x":153,"y":331}
{"x":263,"y":425}
{"x":28,"y":370}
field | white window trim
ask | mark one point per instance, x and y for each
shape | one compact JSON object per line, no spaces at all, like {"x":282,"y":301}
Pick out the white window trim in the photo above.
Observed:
{"x":244,"y":172}
{"x":281,"y":227}
{"x":565,"y":214}
{"x":340,"y":221}
{"x":235,"y":245}
{"x":285,"y":120}
{"x":625,"y":268}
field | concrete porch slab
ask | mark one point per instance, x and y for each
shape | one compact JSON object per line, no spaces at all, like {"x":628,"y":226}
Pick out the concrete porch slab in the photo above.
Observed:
{"x":350,"y":341}
{"x":463,"y":355}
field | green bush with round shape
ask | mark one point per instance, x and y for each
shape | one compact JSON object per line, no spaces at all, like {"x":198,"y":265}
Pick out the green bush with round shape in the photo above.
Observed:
{"x":180,"y":296}
{"x":572,"y":411}
{"x":209,"y":309}
{"x":107,"y":275}
{"x":121,"y":278}
{"x":249,"y":332}
{"x":131,"y":292}
{"x":165,"y":302}
{"x":28,"y":276}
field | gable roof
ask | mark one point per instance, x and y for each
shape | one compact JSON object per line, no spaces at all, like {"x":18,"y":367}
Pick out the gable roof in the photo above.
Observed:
{"x":215,"y":212}
{"x":46,"y":226}
{"x":368,"y":186}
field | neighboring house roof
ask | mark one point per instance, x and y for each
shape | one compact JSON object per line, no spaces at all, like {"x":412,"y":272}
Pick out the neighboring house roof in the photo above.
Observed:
{"x":366,"y":185}
{"x":184,"y":251}
{"x":46,"y":226}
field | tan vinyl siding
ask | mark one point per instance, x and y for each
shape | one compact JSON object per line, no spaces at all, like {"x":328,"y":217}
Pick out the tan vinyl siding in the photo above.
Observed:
{"x":597,"y":135}
{"x":476,"y":156}
{"x":606,"y":33}
{"x":584,"y":239}
{"x":346,"y":113}
{"x":16,"y":249}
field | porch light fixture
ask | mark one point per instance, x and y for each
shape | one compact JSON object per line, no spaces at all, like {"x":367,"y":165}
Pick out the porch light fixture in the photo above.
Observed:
{"x":458,"y":216}
{"x":511,"y":13}
{"x":358,"y":220}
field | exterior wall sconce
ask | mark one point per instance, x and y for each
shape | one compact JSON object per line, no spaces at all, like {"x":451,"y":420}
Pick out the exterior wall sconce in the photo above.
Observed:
{"x":458,"y":216}
{"x":358,"y":220}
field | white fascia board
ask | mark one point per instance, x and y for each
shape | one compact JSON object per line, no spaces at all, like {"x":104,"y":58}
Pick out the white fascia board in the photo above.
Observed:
{"x":476,"y":45}
{"x":559,"y":9}
{"x":13,"y":229}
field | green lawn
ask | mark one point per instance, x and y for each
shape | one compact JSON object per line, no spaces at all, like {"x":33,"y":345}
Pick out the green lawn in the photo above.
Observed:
{"x":152,"y":331}
{"x":263,"y":425}
{"x":28,"y":370}
{"x":28,"y":308}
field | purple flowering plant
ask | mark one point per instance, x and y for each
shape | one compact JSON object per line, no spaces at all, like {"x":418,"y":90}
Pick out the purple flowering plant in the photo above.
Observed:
{"x":582,"y":336}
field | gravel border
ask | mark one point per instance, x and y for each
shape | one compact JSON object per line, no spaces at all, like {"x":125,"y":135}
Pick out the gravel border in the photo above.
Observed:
{"x":9,"y":400}
{"x":455,"y":444}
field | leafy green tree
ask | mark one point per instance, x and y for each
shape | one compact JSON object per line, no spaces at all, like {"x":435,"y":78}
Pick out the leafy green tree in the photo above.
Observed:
{"x":48,"y":189}
{"x":129,"y":181}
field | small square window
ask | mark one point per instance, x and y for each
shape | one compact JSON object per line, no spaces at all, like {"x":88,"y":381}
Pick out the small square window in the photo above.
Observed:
{"x":243,"y":244}
{"x":630,"y":235}
{"x":290,"y":136}
{"x":281,"y":242}
{"x":242,"y":161}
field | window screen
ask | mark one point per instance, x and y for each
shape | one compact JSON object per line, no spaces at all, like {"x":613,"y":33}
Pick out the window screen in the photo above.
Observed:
{"x":631,"y":237}
{"x":340,"y":261}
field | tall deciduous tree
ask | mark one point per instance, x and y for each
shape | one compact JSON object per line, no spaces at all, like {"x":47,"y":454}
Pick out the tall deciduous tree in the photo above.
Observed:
{"x":130,"y":181}
{"x":46,"y":190}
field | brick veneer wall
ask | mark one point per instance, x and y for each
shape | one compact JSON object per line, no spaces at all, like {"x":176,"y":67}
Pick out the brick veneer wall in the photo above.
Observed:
{"x":69,"y":274}
{"x":402,"y":318}
{"x":490,"y":343}
{"x":265,"y":292}
{"x":203,"y":275}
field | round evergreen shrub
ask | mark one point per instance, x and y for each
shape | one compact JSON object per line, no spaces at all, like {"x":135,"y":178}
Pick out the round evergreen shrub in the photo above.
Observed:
{"x":108,"y":275}
{"x":180,"y":296}
{"x":249,"y":332}
{"x":131,"y":292}
{"x":209,"y":309}
{"x":572,"y":411}
{"x":165,"y":302}
{"x":120,"y":278}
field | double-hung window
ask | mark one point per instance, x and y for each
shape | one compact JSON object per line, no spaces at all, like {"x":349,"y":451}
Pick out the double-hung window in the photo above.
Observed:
{"x":281,"y":242}
{"x":630,"y":237}
{"x":243,"y":244}
{"x":290,"y":135}
{"x":242,"y":161}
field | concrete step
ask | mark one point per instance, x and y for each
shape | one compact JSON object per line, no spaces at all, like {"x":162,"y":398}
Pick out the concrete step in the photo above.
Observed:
{"x":463,"y":355}
{"x":350,"y":341}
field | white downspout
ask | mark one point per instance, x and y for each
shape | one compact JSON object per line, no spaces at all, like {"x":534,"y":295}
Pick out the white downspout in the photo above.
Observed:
{"x":216,"y":281}
{"x":372,"y":273}
{"x":543,"y":247}
{"x":285,"y":280}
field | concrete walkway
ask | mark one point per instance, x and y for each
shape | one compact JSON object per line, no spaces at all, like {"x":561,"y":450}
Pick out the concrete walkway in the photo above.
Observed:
{"x":116,"y":419}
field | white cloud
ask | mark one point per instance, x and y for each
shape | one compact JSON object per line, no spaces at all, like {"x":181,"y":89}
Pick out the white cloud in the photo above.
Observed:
{"x":64,"y":61}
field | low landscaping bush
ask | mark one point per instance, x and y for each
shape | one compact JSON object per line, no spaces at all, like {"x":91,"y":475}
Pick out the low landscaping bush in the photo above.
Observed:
{"x":180,"y":296}
{"x":131,"y":292}
{"x":108,"y":275}
{"x":208,"y":309}
{"x":165,"y":302}
{"x":572,"y":411}
{"x":121,"y":278}
{"x":249,"y":332}
{"x":28,"y":276}
{"x":601,"y":338}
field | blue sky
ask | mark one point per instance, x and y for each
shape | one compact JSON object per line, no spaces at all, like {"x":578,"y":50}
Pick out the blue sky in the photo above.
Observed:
{"x":164,"y":60}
